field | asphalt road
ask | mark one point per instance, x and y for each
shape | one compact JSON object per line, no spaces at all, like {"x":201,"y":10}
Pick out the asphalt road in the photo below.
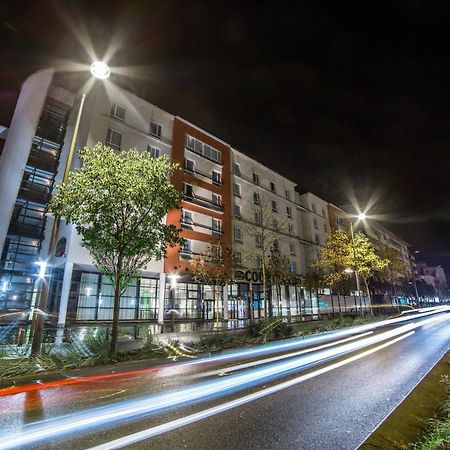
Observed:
{"x":325,"y":392}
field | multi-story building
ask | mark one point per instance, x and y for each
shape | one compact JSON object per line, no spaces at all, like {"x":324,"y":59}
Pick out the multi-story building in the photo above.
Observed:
{"x":315,"y":223}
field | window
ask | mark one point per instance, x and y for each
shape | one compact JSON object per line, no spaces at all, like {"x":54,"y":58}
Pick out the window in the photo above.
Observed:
{"x":114,"y":139}
{"x":237,"y":233}
{"x":291,"y":229}
{"x":275,"y":223}
{"x":188,"y":190}
{"x":256,"y":198}
{"x":215,"y":254}
{"x":189,"y":165}
{"x":154,"y":151}
{"x":216,"y":226}
{"x":258,"y":262}
{"x":258,"y":240}
{"x":325,"y":227}
{"x":272,"y":187}
{"x":255,"y":178}
{"x":196,"y":146}
{"x":155,"y":129}
{"x":216,"y":177}
{"x":288,"y":211}
{"x":316,"y":225}
{"x":276,"y":245}
{"x":216,"y":200}
{"x":274,"y":206}
{"x":291,"y":248}
{"x":118,"y":111}
{"x":313,"y":207}
{"x":258,"y":218}
{"x":186,"y":219}
{"x":236,"y":169}
{"x":287,"y":194}
{"x":237,"y":210}
{"x":238,"y":258}
{"x":186,"y":249}
{"x":293,"y":267}
{"x":237,"y":189}
{"x":316,"y":237}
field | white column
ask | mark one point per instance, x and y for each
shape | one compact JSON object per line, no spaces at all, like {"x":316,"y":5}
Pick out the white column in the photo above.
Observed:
{"x":18,"y":143}
{"x":225,"y":302}
{"x":64,"y":301}
{"x":161,"y":295}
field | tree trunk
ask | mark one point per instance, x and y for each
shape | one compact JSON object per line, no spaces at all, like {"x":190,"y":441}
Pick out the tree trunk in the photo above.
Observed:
{"x":368,"y":295}
{"x":115,"y":322}
{"x":264,"y":290}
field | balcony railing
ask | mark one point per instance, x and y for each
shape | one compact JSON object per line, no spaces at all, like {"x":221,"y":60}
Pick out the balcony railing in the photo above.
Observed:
{"x":201,"y":201}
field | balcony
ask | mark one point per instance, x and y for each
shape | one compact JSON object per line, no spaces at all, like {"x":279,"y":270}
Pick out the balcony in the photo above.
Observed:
{"x":43,"y":160}
{"x":201,"y":201}
{"x":202,"y":175}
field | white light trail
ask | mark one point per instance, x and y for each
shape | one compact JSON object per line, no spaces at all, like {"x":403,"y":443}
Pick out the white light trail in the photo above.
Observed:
{"x":174,"y":424}
{"x":108,"y":415}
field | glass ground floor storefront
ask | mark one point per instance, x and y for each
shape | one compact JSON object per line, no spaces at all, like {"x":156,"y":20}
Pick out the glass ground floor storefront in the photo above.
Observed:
{"x":92,"y":299}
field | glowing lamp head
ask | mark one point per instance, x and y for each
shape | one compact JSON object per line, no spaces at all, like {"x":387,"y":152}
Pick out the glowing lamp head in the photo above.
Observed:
{"x":100,"y":70}
{"x":362,"y":216}
{"x":348,"y":270}
{"x":42,"y":268}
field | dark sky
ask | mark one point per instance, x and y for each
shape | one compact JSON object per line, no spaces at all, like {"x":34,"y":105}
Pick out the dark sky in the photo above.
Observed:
{"x":345,"y":98}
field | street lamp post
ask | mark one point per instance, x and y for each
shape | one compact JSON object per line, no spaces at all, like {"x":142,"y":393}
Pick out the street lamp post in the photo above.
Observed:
{"x":361,"y":217}
{"x":101,"y":71}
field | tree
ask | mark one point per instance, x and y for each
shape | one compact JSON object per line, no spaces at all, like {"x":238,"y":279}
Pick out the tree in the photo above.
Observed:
{"x":117,"y":202}
{"x":395,"y":269}
{"x":265,"y":231}
{"x":215,"y":268}
{"x":340,"y":252}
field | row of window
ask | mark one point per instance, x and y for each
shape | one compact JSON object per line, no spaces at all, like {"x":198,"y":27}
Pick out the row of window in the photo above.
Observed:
{"x":255,"y":178}
{"x":118,"y":112}
{"x":199,"y":147}
{"x":258,"y":261}
{"x":256,"y":201}
{"x":114,"y":140}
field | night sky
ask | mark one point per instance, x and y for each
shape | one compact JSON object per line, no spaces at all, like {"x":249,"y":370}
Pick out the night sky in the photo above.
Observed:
{"x":344,"y":98}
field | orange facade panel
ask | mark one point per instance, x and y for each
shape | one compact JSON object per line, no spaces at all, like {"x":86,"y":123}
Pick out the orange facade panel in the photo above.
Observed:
{"x":180,"y":130}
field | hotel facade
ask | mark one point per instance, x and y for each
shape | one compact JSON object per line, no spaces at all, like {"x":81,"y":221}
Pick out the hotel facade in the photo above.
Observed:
{"x":227,"y":199}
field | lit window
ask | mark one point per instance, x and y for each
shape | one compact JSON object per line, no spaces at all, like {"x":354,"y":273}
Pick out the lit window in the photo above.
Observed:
{"x":113,"y":139}
{"x":155,"y":129}
{"x":118,"y":111}
{"x":293,"y":266}
{"x":154,"y":151}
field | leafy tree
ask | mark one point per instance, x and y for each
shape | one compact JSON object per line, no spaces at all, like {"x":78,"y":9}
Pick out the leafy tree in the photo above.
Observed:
{"x":215,"y":268}
{"x":340,"y":252}
{"x":396,"y":268}
{"x":117,"y":202}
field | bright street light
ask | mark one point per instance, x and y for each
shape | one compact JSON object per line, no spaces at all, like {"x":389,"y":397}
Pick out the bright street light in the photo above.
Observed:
{"x":100,"y":70}
{"x":362,"y":216}
{"x":42,"y":268}
{"x":173,"y":280}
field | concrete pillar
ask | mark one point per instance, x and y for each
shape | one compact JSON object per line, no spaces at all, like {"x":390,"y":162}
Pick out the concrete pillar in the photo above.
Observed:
{"x":225,"y":302}
{"x":161,"y":298}
{"x":18,"y":143}
{"x":64,"y":301}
